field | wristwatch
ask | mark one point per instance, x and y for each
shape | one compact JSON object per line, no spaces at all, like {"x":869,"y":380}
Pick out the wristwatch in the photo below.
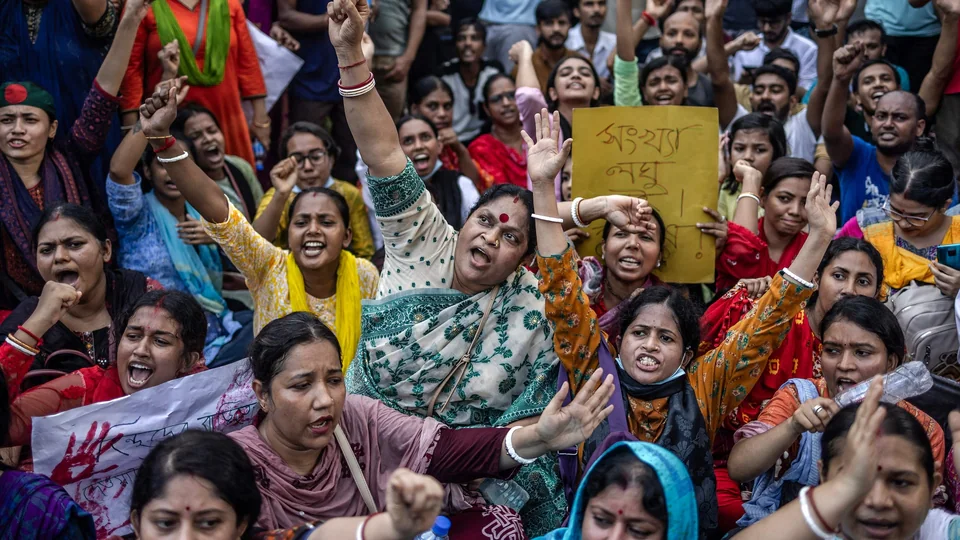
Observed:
{"x":832,"y":31}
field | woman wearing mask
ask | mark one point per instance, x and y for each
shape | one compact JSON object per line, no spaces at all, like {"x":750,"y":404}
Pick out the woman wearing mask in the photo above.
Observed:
{"x":499,"y":153}
{"x":849,"y":267}
{"x":317,"y":274}
{"x":908,"y":229}
{"x":202,"y":484}
{"x":432,"y":98}
{"x":756,"y":139}
{"x":879,"y":474}
{"x":861,"y":339}
{"x":160,"y":338}
{"x":72,"y":250}
{"x":672,"y":394}
{"x":761,"y":247}
{"x":454,"y":193}
{"x":311,"y":432}
{"x":36,"y":173}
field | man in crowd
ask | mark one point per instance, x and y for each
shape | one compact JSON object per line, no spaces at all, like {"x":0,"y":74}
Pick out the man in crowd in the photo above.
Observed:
{"x":587,"y":39}
{"x":773,"y":20}
{"x":508,"y":21}
{"x":553,"y":27}
{"x":396,"y":32}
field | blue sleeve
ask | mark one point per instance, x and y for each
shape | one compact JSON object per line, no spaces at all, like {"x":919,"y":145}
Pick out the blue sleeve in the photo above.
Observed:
{"x":861,"y":152}
{"x":904,"y":78}
{"x":126,"y":203}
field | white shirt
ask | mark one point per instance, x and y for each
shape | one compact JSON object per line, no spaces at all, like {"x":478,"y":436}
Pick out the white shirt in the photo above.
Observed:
{"x":606,"y":43}
{"x":467,"y":124}
{"x":805,"y":50}
{"x":801,"y":142}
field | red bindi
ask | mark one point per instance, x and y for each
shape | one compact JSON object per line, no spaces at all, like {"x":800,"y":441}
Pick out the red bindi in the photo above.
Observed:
{"x":515,"y":199}
{"x":504,"y":218}
{"x":619,"y":512}
{"x":188,"y":508}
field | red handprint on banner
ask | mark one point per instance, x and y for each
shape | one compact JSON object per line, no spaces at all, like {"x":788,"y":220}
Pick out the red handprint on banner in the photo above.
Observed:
{"x":76,"y":466}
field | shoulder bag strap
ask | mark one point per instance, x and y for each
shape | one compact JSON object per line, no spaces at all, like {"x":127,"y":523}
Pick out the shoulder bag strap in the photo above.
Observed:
{"x":355,"y":470}
{"x":461,"y":366}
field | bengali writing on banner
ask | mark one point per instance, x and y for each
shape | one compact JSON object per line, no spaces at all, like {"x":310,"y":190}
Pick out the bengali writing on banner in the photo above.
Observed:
{"x":666,"y":155}
{"x":94,"y":451}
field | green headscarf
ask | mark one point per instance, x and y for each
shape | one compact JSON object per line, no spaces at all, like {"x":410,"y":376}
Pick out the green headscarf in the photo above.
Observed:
{"x":217,"y":36}
{"x":682,"y":523}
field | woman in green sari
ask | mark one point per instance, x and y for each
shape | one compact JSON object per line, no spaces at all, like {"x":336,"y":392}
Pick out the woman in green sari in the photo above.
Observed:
{"x":457,"y":331}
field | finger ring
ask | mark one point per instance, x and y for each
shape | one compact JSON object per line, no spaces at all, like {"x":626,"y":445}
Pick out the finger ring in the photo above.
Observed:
{"x":817,"y":410}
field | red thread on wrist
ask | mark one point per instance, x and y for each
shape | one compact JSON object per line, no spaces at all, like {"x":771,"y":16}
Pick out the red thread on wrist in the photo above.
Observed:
{"x":816,"y":513}
{"x":31,"y":334}
{"x":363,"y":526}
{"x":649,"y":18}
{"x":168,"y":144}
{"x":356,"y":86}
{"x":364,"y":61}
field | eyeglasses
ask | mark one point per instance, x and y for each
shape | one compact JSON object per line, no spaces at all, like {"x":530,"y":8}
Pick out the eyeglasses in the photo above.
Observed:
{"x":913,"y":221}
{"x":497,"y":98}
{"x":315,"y":157}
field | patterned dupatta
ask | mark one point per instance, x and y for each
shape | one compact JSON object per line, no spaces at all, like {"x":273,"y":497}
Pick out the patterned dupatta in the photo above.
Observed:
{"x":19,"y":213}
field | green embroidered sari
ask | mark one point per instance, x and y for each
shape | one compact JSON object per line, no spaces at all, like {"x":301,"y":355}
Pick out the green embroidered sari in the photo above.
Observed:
{"x":418,"y":328}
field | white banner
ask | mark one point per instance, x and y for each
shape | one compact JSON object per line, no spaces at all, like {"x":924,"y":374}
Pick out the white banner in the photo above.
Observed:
{"x":277,"y":63}
{"x":94,"y":451}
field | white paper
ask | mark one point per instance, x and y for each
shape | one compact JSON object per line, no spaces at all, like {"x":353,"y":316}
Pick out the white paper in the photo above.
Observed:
{"x":95,"y":451}
{"x":277,"y":63}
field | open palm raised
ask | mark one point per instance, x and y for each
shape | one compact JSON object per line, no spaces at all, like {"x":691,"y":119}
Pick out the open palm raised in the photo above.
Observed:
{"x":544,"y":159}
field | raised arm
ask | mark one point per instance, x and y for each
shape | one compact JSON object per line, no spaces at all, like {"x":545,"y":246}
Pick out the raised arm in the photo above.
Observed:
{"x":366,"y":114}
{"x":522,"y":55}
{"x":115,"y":64}
{"x":747,"y":207}
{"x":824,"y":15}
{"x":298,"y":21}
{"x":846,"y":61}
{"x":840,"y":496}
{"x":156,"y":115}
{"x":626,"y":46}
{"x":724,"y":376}
{"x":935,"y":81}
{"x":284,"y":177}
{"x":724,"y":94}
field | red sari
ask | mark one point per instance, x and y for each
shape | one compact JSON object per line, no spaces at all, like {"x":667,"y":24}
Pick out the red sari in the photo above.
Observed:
{"x":747,"y":256}
{"x":242,"y":78}
{"x":797,"y":357}
{"x":497,"y":162}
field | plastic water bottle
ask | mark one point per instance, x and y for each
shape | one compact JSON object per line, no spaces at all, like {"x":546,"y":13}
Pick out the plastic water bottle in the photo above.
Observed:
{"x":504,"y":492}
{"x":909,"y":380}
{"x":441,"y":526}
{"x":259,"y":153}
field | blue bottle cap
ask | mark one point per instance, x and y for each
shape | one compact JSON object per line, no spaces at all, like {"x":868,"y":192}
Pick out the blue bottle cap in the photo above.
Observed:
{"x":441,"y":526}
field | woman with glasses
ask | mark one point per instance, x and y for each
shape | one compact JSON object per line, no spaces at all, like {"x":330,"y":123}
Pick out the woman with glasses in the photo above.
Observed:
{"x":499,"y":152}
{"x":909,"y":227}
{"x":315,"y":152}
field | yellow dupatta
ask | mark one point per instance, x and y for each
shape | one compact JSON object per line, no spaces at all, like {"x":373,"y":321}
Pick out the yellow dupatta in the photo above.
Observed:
{"x":901,"y":266}
{"x":348,"y":301}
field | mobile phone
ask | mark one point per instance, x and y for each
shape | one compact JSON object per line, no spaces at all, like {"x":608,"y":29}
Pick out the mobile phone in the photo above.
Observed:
{"x":949,"y":255}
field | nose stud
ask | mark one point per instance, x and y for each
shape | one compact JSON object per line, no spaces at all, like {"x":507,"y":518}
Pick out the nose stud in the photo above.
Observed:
{"x":497,"y":243}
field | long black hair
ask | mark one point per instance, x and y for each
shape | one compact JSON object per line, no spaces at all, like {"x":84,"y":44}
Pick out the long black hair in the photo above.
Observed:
{"x":871,"y":315}
{"x":677,"y":62}
{"x":207,"y":455}
{"x":182,"y":308}
{"x":924,"y":175}
{"x":272,"y":345}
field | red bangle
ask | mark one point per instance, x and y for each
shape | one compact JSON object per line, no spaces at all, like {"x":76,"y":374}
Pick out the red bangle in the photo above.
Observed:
{"x":168,"y":144}
{"x":363,"y":525}
{"x":354,"y":87}
{"x":31,"y":334}
{"x":649,"y":18}
{"x":364,"y":61}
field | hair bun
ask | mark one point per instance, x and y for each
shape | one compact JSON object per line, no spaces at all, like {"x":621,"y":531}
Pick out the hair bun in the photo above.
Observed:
{"x":925,"y":143}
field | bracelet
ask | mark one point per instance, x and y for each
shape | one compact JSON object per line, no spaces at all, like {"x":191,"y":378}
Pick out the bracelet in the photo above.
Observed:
{"x":31,"y":334}
{"x":808,"y":516}
{"x":797,"y":279}
{"x":21,"y":346}
{"x":363,"y":525}
{"x":264,"y":125}
{"x":157,"y":137}
{"x":356,"y":86}
{"x":816,"y":513}
{"x":166,"y":146}
{"x":649,"y":18}
{"x":174,"y":159}
{"x":575,"y":213}
{"x":748,"y":196}
{"x":355,"y":64}
{"x":508,"y":442}
{"x":547,"y":218}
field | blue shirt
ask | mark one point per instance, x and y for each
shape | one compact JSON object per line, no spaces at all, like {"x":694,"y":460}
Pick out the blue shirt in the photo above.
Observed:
{"x":862,"y":181}
{"x":899,"y":18}
{"x":509,"y":11}
{"x":317,"y":79}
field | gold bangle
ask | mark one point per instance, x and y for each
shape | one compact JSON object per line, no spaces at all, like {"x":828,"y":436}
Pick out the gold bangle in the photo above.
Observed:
{"x":157,"y":138}
{"x":13,"y":339}
{"x":262,"y":126}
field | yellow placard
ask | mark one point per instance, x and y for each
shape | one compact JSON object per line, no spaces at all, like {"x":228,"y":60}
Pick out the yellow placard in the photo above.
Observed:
{"x":666,"y":155}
